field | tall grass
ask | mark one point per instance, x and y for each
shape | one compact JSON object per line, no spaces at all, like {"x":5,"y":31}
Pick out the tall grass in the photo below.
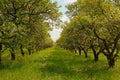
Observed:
{"x":58,"y":64}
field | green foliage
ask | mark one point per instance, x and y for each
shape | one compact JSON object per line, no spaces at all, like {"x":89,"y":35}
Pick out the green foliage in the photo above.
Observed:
{"x":94,"y":24}
{"x":26,"y":23}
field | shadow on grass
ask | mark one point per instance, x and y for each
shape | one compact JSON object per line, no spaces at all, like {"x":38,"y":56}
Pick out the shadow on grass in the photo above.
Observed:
{"x":11,"y":65}
{"x":55,"y":64}
{"x":69,"y":65}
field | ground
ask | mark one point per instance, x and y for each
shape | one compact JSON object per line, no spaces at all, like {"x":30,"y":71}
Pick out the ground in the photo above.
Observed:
{"x":58,"y":64}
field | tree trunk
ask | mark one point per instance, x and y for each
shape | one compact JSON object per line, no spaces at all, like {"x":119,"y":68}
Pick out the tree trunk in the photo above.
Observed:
{"x":0,"y":58}
{"x":85,"y":52}
{"x":75,"y":51}
{"x":0,"y":47}
{"x":96,"y":58}
{"x":29,"y":51}
{"x":111,"y":61}
{"x":79,"y":51}
{"x":12,"y":54}
{"x":0,"y":53}
{"x":21,"y":49}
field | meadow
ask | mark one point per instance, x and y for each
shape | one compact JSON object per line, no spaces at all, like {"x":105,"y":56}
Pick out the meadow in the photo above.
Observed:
{"x":57,"y":64}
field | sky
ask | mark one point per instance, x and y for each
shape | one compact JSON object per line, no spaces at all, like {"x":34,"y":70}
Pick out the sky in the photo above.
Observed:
{"x":55,"y":33}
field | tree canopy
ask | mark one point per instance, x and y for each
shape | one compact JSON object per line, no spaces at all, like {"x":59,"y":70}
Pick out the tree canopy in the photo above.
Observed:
{"x":94,"y":25}
{"x":25,"y":24}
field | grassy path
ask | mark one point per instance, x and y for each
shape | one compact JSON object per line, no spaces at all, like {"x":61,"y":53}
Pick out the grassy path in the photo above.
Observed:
{"x":57,"y":64}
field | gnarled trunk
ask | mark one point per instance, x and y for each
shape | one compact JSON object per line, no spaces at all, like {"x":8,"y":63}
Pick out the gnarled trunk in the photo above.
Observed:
{"x":96,"y":58}
{"x":111,"y":60}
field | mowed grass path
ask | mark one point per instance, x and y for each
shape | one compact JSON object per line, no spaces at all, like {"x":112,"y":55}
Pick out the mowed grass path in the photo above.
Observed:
{"x":58,"y":64}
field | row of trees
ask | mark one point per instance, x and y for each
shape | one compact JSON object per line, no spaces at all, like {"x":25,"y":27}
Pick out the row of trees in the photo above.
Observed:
{"x":94,"y":25}
{"x":25,"y":24}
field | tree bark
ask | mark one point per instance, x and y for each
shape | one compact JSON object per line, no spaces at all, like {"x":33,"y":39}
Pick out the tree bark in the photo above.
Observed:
{"x":29,"y":51}
{"x":0,"y":53}
{"x":12,"y":54}
{"x":85,"y":52}
{"x":79,"y":51}
{"x":111,"y":61}
{"x":0,"y":47}
{"x":21,"y":49}
{"x":75,"y":51}
{"x":0,"y":58}
{"x":96,"y":58}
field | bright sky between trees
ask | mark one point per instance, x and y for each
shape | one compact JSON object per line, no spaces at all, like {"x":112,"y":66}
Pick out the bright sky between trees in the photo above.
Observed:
{"x":55,"y":33}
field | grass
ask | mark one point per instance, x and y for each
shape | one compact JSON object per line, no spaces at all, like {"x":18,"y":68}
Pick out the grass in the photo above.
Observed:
{"x":58,"y":64}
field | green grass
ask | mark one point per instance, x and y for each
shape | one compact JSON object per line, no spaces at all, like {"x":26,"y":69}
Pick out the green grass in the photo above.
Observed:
{"x":57,"y":64}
